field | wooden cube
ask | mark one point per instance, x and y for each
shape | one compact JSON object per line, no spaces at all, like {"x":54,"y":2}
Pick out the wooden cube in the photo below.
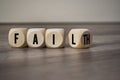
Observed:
{"x":79,"y":38}
{"x":17,"y":37}
{"x":36,"y":37}
{"x":54,"y":38}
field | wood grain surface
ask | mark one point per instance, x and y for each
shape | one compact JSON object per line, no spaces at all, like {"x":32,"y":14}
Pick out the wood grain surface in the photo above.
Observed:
{"x":99,"y":62}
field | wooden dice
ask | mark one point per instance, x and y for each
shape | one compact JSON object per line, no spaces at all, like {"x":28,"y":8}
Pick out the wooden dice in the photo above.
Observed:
{"x":51,"y":38}
{"x":17,"y":37}
{"x":35,"y":37}
{"x":79,"y":38}
{"x":54,"y":38}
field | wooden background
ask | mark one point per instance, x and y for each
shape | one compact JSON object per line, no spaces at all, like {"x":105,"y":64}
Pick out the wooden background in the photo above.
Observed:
{"x":100,"y":62}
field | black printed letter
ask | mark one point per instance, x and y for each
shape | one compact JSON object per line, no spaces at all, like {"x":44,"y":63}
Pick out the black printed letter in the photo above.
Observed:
{"x":73,"y":39}
{"x":35,"y":40}
{"x":53,"y":39}
{"x":86,"y":39}
{"x":15,"y":41}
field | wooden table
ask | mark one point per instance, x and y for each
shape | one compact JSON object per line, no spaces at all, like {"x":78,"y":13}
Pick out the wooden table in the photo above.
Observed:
{"x":100,"y":62}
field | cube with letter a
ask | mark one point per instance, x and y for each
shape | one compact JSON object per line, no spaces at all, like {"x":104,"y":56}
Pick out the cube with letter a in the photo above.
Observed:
{"x":36,"y":37}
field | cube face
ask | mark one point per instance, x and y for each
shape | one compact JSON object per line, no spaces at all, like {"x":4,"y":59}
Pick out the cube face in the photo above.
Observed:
{"x":54,"y":38}
{"x":17,"y":37}
{"x":35,"y":37}
{"x":79,"y":38}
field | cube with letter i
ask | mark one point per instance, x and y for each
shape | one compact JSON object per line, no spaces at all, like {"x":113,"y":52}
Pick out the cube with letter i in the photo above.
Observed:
{"x":54,"y":38}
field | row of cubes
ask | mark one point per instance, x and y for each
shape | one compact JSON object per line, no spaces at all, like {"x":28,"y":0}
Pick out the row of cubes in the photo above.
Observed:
{"x":51,"y":38}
